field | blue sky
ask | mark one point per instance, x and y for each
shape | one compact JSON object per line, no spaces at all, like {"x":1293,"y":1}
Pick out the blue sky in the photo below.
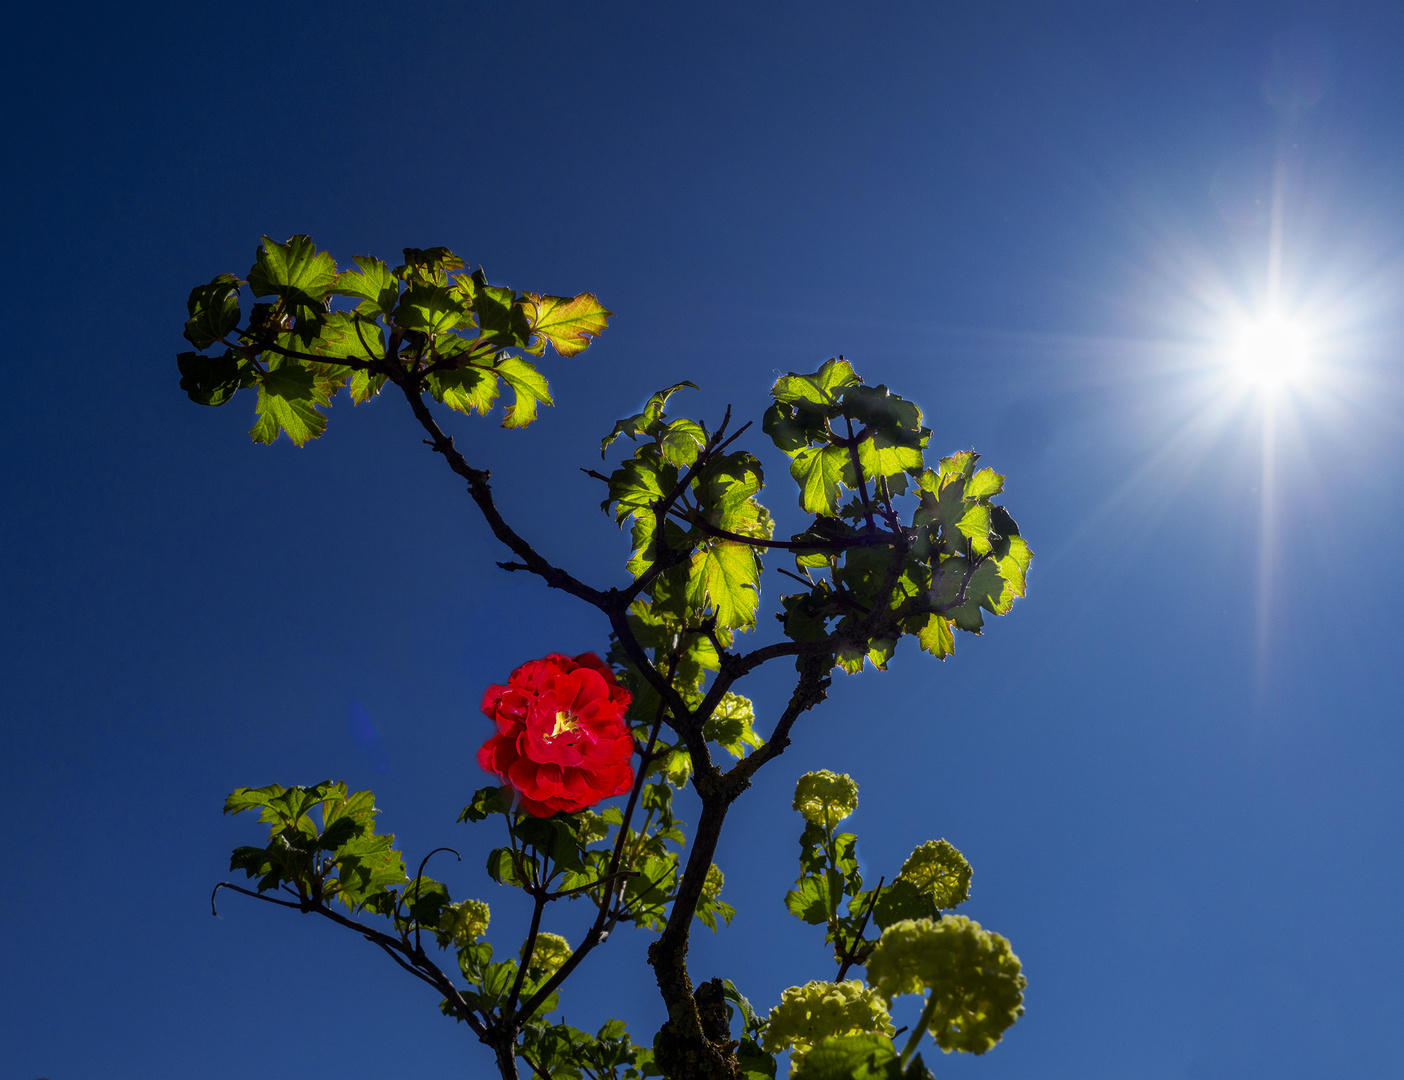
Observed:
{"x":1175,"y":768}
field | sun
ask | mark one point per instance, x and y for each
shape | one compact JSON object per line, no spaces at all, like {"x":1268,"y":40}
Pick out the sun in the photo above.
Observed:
{"x":1271,"y":352}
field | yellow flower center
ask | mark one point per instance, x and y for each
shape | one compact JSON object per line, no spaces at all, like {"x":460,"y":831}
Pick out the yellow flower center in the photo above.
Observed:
{"x":564,"y":722}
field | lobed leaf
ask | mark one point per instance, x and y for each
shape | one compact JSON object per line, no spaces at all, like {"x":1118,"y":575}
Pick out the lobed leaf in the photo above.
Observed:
{"x":296,"y":272}
{"x":568,"y":323}
{"x":288,"y":397}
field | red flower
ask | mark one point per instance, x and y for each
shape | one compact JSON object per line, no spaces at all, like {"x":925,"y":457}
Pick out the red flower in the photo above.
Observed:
{"x":562,"y":742}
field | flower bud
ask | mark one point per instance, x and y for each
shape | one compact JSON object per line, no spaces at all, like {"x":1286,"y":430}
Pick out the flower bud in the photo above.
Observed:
{"x":547,"y":956}
{"x":826,"y":798}
{"x":465,"y":921}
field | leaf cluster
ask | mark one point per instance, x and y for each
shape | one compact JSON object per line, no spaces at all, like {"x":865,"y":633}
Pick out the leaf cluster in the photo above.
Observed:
{"x":898,"y":548}
{"x":428,"y":323}
{"x":322,"y":845}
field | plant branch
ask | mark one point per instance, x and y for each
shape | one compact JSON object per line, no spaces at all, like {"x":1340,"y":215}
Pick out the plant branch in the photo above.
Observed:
{"x":858,"y":474}
{"x":481,"y":493}
{"x":850,"y":954}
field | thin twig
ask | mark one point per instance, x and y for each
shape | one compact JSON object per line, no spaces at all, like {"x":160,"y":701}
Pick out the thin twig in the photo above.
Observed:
{"x":850,"y":954}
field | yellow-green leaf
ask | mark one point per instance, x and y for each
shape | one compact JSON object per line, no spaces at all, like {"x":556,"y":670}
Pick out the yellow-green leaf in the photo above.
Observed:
{"x":818,"y":392}
{"x":732,"y":725}
{"x":726,"y":575}
{"x":937,"y":637}
{"x":288,"y":397}
{"x":528,"y":384}
{"x":295,"y":271}
{"x":467,"y":389}
{"x":568,"y":323}
{"x":374,"y":285}
{"x":984,"y":482}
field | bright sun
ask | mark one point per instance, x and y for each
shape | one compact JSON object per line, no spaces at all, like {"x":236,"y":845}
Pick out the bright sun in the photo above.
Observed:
{"x":1271,"y":351}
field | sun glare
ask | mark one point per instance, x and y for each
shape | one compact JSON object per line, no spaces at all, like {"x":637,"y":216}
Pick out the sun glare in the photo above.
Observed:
{"x":1271,"y":352}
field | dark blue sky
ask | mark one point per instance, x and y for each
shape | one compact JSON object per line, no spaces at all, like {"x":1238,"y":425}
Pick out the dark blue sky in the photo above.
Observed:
{"x":1175,"y":768}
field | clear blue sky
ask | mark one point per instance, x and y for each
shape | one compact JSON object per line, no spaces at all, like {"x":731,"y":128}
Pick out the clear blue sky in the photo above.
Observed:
{"x":1175,"y":768}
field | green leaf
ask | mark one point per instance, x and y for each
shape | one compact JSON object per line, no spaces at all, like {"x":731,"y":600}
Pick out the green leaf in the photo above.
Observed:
{"x":297,"y":272}
{"x":731,"y":725}
{"x":214,"y":311}
{"x":849,"y":1057}
{"x":819,"y":392}
{"x":676,"y":766}
{"x":882,"y":458}
{"x":984,"y":483}
{"x":503,"y":319}
{"x":791,"y":430}
{"x":529,"y":385}
{"x":937,"y":636}
{"x":811,"y":900}
{"x":903,"y":900}
{"x":726,"y":574}
{"x":344,"y":335}
{"x":974,"y":525}
{"x":568,"y":323}
{"x":507,"y":867}
{"x":213,"y":380}
{"x":819,"y":471}
{"x":877,"y":407}
{"x":755,"y":1063}
{"x":681,"y":441}
{"x":428,"y":266}
{"x":366,"y":866}
{"x":374,"y":285}
{"x":641,"y":422}
{"x":430,"y":309}
{"x":1014,"y":567}
{"x":639,"y":483}
{"x":486,"y":802}
{"x":467,"y":389}
{"x":288,"y":397}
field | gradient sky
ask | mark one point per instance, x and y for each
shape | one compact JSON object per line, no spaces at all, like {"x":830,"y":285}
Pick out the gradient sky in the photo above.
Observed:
{"x":1175,"y":768}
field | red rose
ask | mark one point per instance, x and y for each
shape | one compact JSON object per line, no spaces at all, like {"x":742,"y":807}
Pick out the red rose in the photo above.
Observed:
{"x":562,"y":743}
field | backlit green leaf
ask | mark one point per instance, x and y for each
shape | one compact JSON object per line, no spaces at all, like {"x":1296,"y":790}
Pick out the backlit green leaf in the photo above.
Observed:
{"x":467,"y":389}
{"x":731,"y":725}
{"x":726,"y":575}
{"x":374,"y":285}
{"x":530,"y":387}
{"x":297,"y":272}
{"x":811,"y":900}
{"x":642,"y":422}
{"x":818,"y":392}
{"x":936,"y":636}
{"x":288,"y":397}
{"x":568,"y":323}
{"x":986,"y":482}
{"x":819,"y":471}
{"x":430,"y":309}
